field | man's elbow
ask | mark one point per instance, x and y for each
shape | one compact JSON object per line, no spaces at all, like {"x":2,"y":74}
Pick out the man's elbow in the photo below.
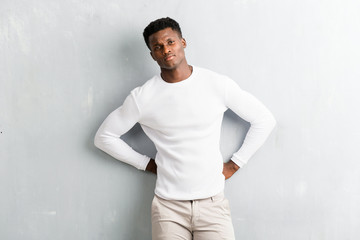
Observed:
{"x":98,"y":141}
{"x":267,"y":122}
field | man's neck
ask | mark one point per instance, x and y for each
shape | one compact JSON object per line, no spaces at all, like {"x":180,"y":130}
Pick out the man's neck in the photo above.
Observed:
{"x":177,"y":74}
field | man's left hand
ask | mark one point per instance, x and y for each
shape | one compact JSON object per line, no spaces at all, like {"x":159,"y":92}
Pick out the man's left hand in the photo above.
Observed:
{"x":229,"y":169}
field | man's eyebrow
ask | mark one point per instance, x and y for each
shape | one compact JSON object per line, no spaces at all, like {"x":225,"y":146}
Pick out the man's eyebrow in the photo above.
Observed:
{"x":158,"y":43}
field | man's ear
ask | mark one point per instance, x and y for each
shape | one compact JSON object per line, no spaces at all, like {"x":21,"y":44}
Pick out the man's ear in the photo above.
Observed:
{"x":183,"y":42}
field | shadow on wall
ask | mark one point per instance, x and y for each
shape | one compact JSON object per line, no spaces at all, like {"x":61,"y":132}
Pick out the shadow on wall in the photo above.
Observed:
{"x":142,"y":67}
{"x":138,"y":67}
{"x":233,"y":133}
{"x":136,"y":60}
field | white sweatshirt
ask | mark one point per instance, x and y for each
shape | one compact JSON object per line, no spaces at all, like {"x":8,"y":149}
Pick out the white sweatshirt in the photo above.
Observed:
{"x":183,"y":120}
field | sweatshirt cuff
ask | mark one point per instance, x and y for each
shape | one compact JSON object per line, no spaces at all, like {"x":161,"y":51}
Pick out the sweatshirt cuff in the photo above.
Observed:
{"x":238,"y":161}
{"x":144,"y":162}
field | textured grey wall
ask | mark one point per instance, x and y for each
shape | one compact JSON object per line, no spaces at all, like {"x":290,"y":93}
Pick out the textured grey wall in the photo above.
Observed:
{"x":65,"y":65}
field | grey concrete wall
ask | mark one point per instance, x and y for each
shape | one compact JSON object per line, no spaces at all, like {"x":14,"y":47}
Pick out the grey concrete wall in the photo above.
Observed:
{"x":65,"y":65}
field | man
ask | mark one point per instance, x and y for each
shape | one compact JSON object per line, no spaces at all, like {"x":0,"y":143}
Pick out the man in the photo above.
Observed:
{"x":181,"y":111}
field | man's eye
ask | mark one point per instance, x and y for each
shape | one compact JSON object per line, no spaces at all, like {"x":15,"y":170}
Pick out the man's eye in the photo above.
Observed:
{"x":171,"y":42}
{"x":157,"y":48}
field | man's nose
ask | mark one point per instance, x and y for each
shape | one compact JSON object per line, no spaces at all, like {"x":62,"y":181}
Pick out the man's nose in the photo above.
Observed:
{"x":166,"y":50}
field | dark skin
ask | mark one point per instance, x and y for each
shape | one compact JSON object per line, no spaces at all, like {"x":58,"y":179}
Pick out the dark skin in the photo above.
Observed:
{"x":167,"y":49}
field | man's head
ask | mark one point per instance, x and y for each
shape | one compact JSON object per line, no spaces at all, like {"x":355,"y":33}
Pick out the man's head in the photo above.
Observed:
{"x":158,"y":25}
{"x":163,"y":38}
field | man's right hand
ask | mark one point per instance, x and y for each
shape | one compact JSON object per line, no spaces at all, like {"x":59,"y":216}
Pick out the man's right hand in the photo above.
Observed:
{"x":151,"y":167}
{"x":229,"y":169}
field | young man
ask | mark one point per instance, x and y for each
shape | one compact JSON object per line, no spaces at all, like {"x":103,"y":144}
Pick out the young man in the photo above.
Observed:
{"x":181,"y":111}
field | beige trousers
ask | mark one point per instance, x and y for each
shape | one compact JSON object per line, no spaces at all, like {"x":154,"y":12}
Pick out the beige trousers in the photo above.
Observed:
{"x":203,"y":219}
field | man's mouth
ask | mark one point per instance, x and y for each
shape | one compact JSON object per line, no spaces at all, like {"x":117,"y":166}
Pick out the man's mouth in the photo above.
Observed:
{"x":169,"y":57}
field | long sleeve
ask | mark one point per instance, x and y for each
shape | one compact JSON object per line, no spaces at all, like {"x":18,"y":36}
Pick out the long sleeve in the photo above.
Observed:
{"x":252,"y":110}
{"x":116,"y":124}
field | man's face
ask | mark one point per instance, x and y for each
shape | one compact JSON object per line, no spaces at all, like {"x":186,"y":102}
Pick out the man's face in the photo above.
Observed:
{"x":167,"y":48}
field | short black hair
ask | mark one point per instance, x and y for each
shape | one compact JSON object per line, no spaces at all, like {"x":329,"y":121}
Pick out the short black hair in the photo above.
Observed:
{"x":158,"y":25}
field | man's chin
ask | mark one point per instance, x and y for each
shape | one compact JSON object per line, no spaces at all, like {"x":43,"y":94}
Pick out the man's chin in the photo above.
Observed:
{"x":168,"y":66}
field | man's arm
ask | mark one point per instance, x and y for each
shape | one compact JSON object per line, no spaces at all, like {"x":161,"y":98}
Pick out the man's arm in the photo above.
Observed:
{"x":116,"y":124}
{"x":261,"y":122}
